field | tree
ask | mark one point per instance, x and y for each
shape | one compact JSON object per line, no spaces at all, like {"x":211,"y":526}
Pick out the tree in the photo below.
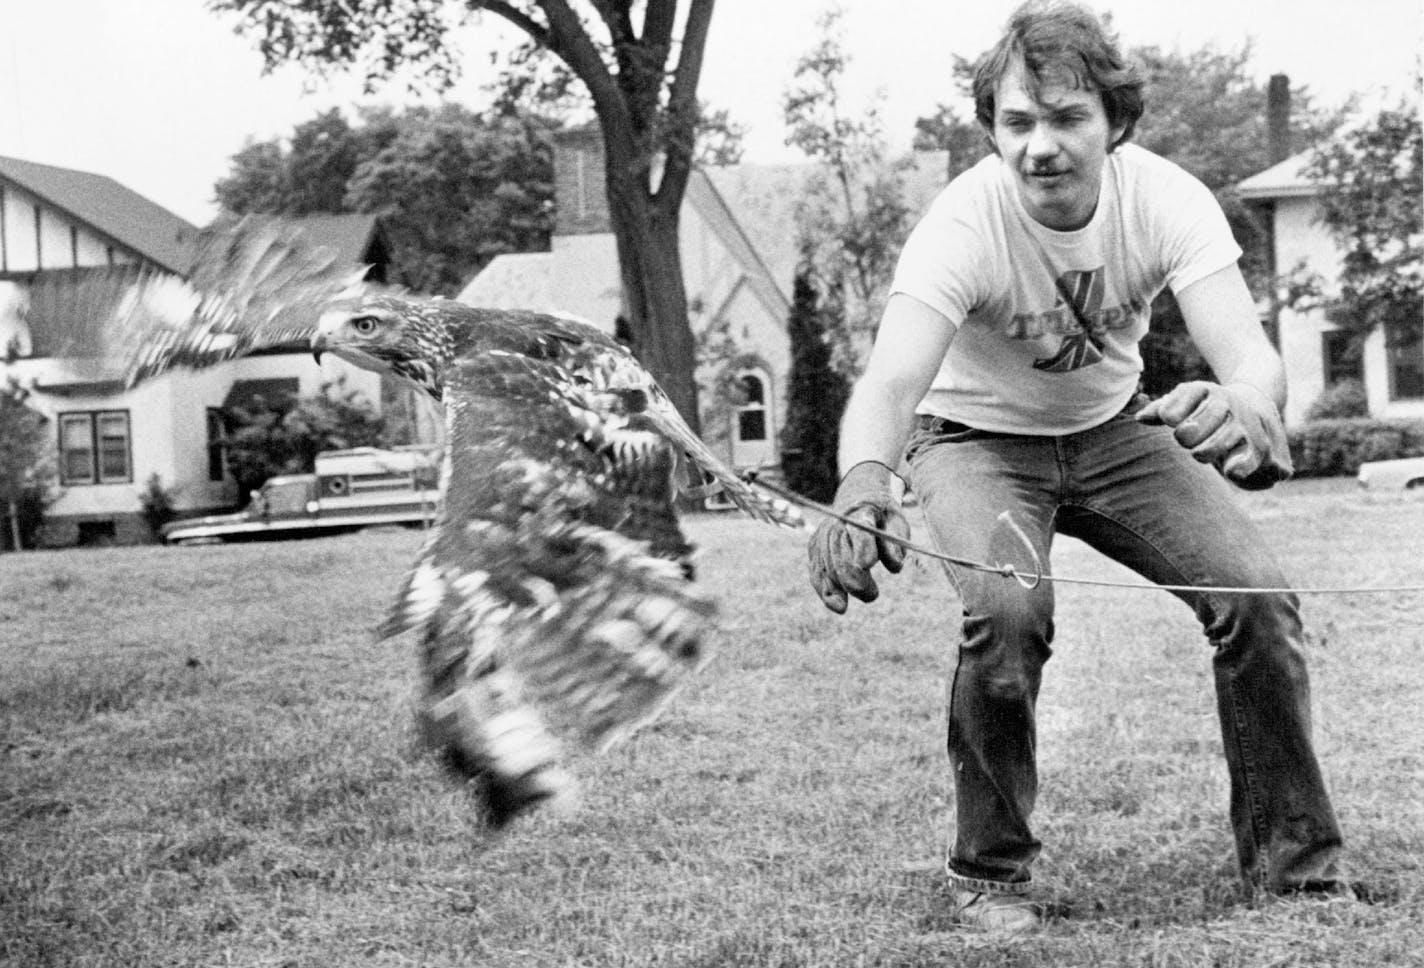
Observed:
{"x":284,"y":435}
{"x":1372,"y":202}
{"x":1207,"y":112}
{"x":454,"y":189}
{"x":815,"y":400}
{"x":641,"y":79}
{"x":965,"y":140}
{"x":852,"y":218}
{"x":26,"y":473}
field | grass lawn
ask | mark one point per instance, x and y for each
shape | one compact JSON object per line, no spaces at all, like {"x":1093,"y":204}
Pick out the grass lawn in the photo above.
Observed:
{"x":205,"y":759}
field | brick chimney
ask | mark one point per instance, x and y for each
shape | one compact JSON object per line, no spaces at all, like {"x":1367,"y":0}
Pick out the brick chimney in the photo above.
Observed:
{"x":580,"y":197}
{"x":1278,"y":124}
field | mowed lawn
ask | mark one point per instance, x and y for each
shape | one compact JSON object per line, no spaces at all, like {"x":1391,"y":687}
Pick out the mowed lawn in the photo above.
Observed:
{"x":206,"y":759}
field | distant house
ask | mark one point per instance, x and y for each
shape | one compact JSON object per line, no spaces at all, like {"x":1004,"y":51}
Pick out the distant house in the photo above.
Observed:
{"x":1316,"y":351}
{"x":739,"y":257}
{"x":110,"y":441}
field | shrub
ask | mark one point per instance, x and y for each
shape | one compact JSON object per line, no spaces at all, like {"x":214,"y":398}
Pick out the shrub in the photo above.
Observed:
{"x":157,"y":502}
{"x":1341,"y":400}
{"x":1328,"y":448}
{"x":816,"y":400}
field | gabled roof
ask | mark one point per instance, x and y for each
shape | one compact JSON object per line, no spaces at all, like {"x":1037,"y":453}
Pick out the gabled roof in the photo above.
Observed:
{"x":1285,"y":179}
{"x":764,"y":199}
{"x":515,"y":280}
{"x":355,"y":238}
{"x":110,"y":208}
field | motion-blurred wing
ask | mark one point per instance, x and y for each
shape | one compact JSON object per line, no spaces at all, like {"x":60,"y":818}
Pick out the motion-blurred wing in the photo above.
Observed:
{"x":551,"y":598}
{"x":255,"y":283}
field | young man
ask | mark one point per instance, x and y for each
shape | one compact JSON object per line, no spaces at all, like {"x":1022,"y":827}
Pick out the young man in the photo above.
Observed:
{"x":1008,"y":357}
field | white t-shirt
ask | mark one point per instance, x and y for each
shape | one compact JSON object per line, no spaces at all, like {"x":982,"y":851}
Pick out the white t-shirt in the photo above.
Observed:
{"x":1020,"y":362}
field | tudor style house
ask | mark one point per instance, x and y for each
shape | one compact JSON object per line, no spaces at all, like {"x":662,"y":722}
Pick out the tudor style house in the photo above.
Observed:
{"x":109,"y":442}
{"x":1317,"y":352}
{"x":737,"y":235}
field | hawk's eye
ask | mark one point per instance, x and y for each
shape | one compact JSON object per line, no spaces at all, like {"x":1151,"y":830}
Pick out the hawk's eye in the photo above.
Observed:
{"x":364,"y":325}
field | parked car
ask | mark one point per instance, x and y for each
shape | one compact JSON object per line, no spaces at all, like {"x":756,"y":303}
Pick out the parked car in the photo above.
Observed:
{"x":351,"y":489}
{"x":1407,"y":473}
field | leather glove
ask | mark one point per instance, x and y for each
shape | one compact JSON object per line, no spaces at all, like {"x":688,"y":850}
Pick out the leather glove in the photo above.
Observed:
{"x":1235,"y":427}
{"x":842,"y":555}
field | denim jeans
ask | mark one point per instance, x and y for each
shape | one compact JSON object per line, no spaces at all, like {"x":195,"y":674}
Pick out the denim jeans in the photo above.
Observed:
{"x":1130,"y":491}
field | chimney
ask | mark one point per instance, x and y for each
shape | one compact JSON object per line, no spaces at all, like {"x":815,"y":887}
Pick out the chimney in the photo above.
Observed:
{"x":1278,"y":126}
{"x":580,"y":195}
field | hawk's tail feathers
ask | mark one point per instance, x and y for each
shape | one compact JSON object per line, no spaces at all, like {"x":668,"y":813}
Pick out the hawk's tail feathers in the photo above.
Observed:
{"x":716,"y":478}
{"x":485,"y":735}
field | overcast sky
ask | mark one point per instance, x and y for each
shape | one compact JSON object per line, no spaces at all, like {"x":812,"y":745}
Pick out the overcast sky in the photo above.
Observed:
{"x":159,"y":94}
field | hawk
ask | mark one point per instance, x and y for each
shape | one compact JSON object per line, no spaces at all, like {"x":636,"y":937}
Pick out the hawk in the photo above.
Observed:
{"x":553,"y":597}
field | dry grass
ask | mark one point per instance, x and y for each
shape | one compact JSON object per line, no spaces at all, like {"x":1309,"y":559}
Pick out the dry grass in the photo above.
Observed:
{"x":205,"y":759}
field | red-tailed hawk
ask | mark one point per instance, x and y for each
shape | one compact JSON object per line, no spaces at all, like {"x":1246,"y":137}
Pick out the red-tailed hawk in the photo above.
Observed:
{"x":553,"y":596}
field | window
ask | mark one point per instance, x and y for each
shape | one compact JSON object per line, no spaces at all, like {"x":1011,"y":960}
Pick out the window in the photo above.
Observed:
{"x":217,"y":444}
{"x":751,"y":415}
{"x":94,"y":447}
{"x":1404,"y":350}
{"x":1340,"y":354}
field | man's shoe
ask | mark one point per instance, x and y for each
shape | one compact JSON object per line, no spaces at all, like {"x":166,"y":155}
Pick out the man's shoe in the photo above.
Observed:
{"x":997,"y":913}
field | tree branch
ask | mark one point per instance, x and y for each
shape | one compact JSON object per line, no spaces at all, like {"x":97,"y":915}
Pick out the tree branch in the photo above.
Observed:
{"x":569,"y":41}
{"x":682,"y":100}
{"x":658,"y":22}
{"x":500,"y":8}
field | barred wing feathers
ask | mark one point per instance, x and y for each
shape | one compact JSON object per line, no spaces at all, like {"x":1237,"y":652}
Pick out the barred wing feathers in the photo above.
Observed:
{"x":594,"y":358}
{"x":255,"y":283}
{"x":545,"y":606}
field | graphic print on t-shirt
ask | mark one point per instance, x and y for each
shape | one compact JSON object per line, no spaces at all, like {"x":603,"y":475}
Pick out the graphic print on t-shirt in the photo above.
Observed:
{"x":1080,"y":347}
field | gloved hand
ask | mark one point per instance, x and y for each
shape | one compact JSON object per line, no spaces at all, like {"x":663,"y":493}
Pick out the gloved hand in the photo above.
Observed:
{"x":842,"y":555}
{"x":1235,"y":427}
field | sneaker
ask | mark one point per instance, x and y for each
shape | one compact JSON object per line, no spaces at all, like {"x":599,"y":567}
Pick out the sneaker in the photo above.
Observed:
{"x":997,"y":913}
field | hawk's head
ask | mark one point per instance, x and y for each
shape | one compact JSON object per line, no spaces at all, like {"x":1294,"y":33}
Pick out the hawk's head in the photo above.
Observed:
{"x":407,"y":338}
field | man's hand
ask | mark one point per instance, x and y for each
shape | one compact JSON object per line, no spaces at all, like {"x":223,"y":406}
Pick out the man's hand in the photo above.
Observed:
{"x":1236,"y":427}
{"x":842,"y":555}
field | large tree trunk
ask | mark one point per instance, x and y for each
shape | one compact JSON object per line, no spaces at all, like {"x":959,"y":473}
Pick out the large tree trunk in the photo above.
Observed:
{"x":654,"y":292}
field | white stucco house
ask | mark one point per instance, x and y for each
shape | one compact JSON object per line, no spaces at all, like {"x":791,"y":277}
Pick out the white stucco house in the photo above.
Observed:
{"x":108,"y":441}
{"x":1315,"y":350}
{"x":739,"y":257}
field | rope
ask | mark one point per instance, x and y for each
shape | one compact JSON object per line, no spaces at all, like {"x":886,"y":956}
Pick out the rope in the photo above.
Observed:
{"x":1032,"y":579}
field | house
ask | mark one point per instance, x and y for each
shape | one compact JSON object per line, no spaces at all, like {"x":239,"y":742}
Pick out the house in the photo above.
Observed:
{"x":737,"y":235}
{"x":111,"y":441}
{"x":1317,"y":352}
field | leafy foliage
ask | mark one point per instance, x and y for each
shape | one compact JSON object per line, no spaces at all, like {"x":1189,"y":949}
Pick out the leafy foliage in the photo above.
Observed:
{"x":283,"y":436}
{"x":453,"y":189}
{"x":157,"y":502}
{"x":1340,"y":400}
{"x":27,"y":472}
{"x":946,"y":130}
{"x":640,"y":65}
{"x":1373,"y":181}
{"x":721,"y":361}
{"x":852,"y":218}
{"x":816,"y":401}
{"x":1207,"y":112}
{"x":1327,"y":448}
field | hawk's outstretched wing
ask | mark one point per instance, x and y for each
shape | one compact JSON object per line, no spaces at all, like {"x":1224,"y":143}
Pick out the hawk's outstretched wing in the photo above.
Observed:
{"x":255,"y":283}
{"x":552,"y":594}
{"x":599,"y":362}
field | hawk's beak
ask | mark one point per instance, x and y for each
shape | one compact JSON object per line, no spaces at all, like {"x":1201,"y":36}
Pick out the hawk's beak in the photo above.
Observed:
{"x":318,"y":346}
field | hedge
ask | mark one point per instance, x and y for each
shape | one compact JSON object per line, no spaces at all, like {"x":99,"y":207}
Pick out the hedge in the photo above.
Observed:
{"x":1329,"y":448}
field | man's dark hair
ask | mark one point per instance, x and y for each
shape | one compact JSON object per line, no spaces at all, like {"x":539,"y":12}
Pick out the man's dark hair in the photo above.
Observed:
{"x":1050,"y":36}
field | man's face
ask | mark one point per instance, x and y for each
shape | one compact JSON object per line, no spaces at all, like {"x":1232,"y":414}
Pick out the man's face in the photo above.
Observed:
{"x":1055,"y":145}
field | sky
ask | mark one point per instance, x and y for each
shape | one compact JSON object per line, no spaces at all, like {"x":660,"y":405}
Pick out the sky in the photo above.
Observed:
{"x":159,"y":94}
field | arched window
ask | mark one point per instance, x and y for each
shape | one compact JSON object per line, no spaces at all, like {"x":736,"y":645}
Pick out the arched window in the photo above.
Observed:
{"x":751,"y":414}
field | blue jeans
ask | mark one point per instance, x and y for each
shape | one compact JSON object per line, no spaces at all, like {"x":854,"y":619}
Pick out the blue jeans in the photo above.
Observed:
{"x":1133,"y":493}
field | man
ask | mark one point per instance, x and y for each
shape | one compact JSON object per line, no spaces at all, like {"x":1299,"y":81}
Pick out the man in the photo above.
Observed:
{"x":1009,"y":347}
